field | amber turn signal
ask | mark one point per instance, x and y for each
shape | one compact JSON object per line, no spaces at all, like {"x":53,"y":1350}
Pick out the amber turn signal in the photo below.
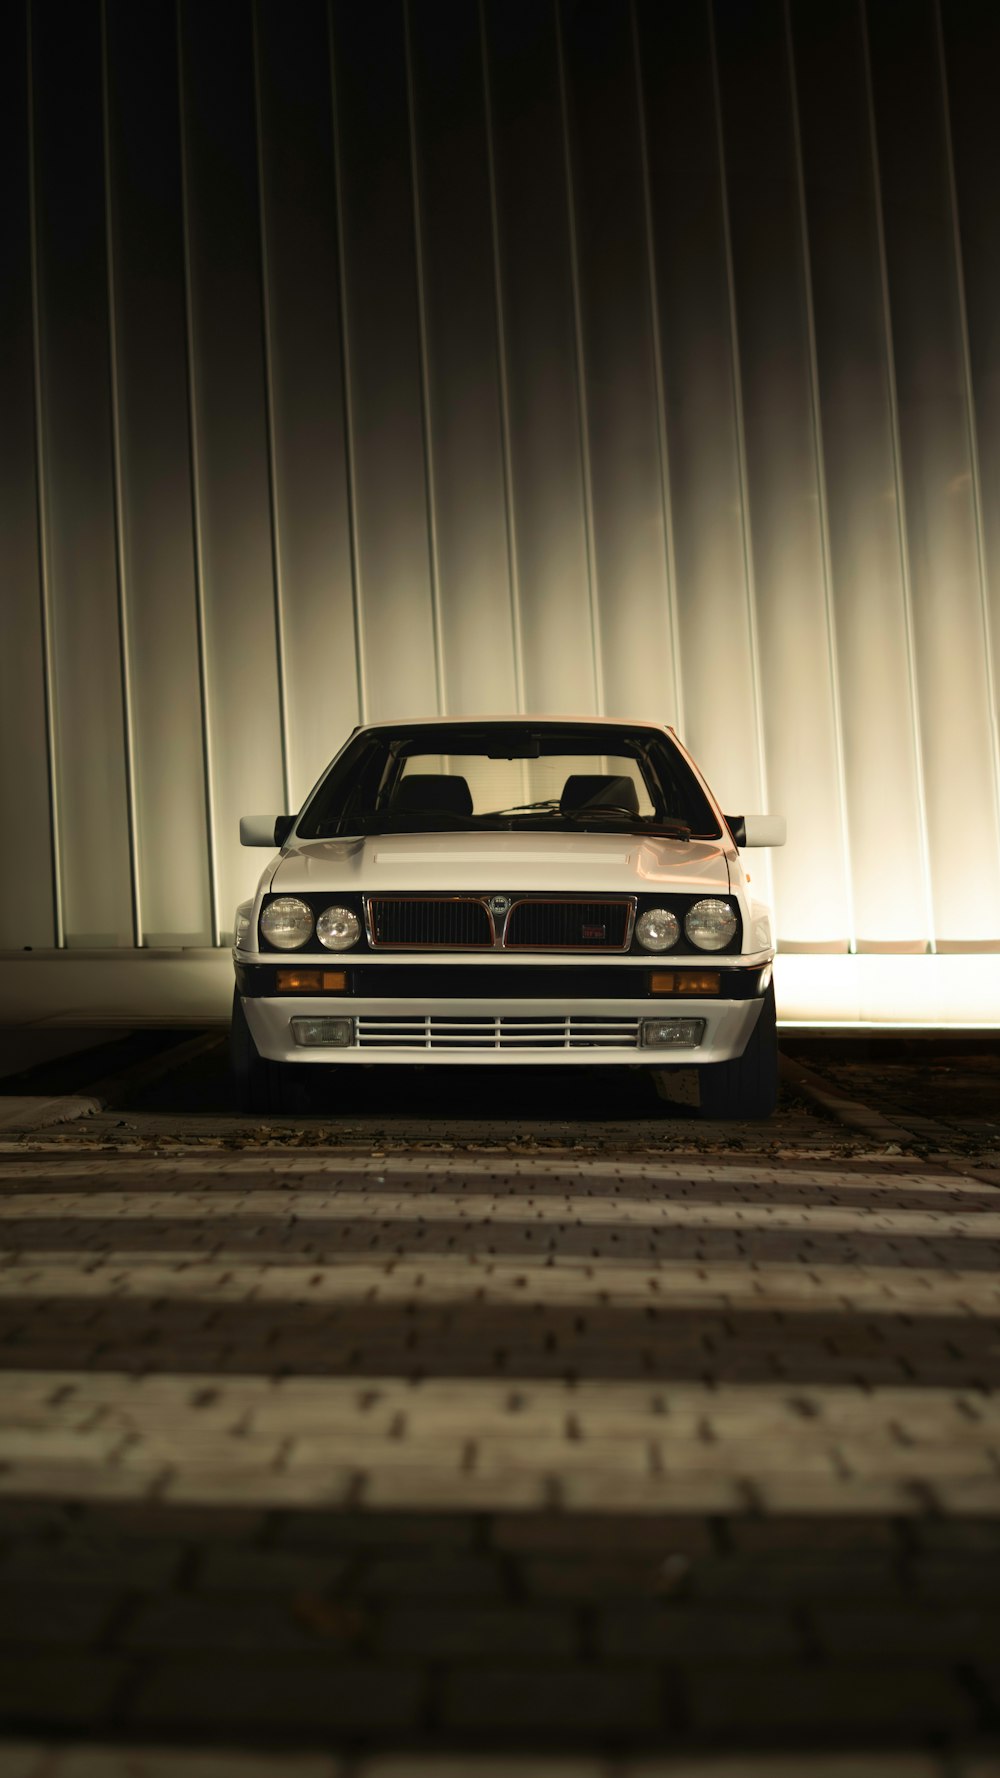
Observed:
{"x":684,"y":981}
{"x":312,"y":981}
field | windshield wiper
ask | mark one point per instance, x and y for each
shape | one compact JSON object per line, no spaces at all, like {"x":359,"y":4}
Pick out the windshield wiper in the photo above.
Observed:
{"x":548,"y":802}
{"x":669,"y":826}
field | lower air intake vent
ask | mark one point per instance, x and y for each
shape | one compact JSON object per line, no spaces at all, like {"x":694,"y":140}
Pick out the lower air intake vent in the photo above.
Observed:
{"x":436,"y":1033}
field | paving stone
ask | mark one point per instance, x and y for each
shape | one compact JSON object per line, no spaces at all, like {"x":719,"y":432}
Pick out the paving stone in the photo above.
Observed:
{"x":226,"y":1569}
{"x":685,"y":1632}
{"x":382,"y":1531}
{"x":464,"y":1633}
{"x":163,"y":1762}
{"x":849,"y":1703}
{"x":98,"y":1561}
{"x":506,"y":1700}
{"x":61,"y":1690}
{"x":457,"y":1577}
{"x":307,"y":1695}
{"x":63,"y":1616}
{"x":855,"y":1574}
{"x":910,"y":1629}
{"x":211,"y":1622}
{"x":608,"y":1533}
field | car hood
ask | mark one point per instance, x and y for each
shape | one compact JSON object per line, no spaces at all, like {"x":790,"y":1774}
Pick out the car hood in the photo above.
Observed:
{"x":422,"y":863}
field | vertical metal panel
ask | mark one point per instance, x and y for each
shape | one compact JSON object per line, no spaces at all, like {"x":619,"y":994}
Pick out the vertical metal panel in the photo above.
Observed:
{"x":79,"y":503}
{"x":694,"y":324}
{"x":559,"y":666}
{"x":298,"y":195}
{"x":383,"y":342}
{"x":797,"y":702}
{"x":155,"y":473}
{"x":630,"y":543}
{"x":26,"y":893}
{"x":959,"y":759}
{"x":128,"y":735}
{"x":970,"y":47}
{"x":662,"y":442}
{"x":273,"y":513}
{"x":868,"y":585}
{"x":452,"y":167}
{"x":224,"y":247}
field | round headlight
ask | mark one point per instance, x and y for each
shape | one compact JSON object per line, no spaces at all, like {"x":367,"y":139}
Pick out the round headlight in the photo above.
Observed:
{"x":710,"y":924}
{"x":338,"y":929}
{"x":287,"y":923}
{"x":657,"y":929}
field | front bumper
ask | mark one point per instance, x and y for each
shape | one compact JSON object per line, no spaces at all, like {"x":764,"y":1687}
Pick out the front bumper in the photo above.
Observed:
{"x":501,"y":1029}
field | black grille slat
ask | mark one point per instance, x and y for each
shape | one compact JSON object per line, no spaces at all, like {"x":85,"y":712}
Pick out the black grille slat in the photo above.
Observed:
{"x":568,"y":925}
{"x":454,"y":924}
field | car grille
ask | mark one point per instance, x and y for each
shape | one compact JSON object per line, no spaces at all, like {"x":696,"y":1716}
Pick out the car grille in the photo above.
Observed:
{"x":432,"y":1032}
{"x":568,"y":926}
{"x":452,"y":923}
{"x":464,"y":922}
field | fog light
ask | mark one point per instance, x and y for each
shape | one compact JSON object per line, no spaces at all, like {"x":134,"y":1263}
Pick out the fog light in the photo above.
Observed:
{"x":683,"y":1034}
{"x":324,"y":1033}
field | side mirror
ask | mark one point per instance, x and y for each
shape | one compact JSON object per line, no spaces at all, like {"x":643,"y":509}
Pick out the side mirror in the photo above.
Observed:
{"x":265,"y":830}
{"x":758,"y":830}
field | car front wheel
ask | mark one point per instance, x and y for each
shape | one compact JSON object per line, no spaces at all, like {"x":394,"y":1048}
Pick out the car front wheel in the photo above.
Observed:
{"x":259,"y":1086}
{"x":746,"y":1087}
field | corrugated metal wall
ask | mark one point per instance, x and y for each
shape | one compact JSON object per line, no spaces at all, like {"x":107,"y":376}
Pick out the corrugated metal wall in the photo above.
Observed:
{"x":431,"y":355}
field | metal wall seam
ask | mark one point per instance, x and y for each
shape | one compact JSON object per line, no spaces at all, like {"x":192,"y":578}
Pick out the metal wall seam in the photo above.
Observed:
{"x":741,"y":448}
{"x":661,"y":404}
{"x":581,"y":377}
{"x":513,"y":577}
{"x":970,"y":411}
{"x":345,"y":357}
{"x":425,"y":381}
{"x":824,"y":525}
{"x":128,"y":723}
{"x":48,"y":659}
{"x":196,"y":519}
{"x":904,"y":550}
{"x":272,"y":480}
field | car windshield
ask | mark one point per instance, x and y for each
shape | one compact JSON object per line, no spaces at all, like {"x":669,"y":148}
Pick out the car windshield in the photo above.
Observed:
{"x":501,"y":776}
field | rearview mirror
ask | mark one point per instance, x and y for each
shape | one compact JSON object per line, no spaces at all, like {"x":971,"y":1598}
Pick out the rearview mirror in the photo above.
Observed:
{"x":265,"y":830}
{"x":758,"y":830}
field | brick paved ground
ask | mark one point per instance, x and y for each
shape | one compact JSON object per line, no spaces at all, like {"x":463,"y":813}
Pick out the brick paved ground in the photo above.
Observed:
{"x":592,"y":1451}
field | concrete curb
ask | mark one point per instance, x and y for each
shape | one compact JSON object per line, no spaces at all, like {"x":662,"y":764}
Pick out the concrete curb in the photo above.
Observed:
{"x":111,"y":1090}
{"x":846,"y":1111}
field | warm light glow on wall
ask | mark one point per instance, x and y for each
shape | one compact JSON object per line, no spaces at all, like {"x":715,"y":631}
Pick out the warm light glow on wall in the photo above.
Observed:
{"x":377,"y":361}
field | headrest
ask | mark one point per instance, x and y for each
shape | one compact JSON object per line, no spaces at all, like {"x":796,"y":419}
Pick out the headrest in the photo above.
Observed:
{"x":595,"y":790}
{"x":432,"y":793}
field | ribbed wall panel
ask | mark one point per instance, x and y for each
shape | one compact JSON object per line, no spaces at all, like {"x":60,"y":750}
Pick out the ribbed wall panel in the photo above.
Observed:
{"x":27,"y":912}
{"x":570,"y":355}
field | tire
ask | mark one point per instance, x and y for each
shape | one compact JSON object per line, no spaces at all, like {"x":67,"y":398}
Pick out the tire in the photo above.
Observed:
{"x":747,"y":1087}
{"x":259,"y":1086}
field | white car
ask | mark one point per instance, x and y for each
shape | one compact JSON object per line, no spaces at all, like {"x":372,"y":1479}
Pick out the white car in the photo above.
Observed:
{"x":514,"y":890}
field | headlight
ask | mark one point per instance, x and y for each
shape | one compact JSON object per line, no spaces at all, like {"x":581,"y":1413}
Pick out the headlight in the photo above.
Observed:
{"x":710,"y":924}
{"x":657,"y":929}
{"x":287,"y":922}
{"x":338,"y":929}
{"x":241,"y":924}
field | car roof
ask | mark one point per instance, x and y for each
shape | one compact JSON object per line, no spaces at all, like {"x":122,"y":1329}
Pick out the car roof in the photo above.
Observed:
{"x":517,"y":720}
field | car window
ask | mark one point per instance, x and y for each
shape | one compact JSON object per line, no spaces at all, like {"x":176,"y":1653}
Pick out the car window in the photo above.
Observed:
{"x":508,"y":775}
{"x":499,"y":784}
